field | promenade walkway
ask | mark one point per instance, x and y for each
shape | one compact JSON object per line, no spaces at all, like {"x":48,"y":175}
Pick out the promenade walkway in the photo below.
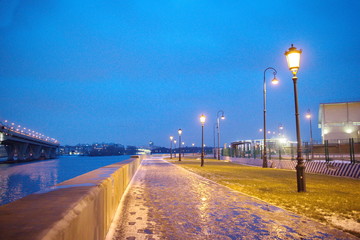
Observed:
{"x":165,"y":201}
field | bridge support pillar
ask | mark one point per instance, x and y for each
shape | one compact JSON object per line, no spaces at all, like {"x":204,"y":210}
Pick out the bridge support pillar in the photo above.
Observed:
{"x":46,"y":151}
{"x":36,"y":151}
{"x":22,"y":151}
{"x":53,"y":153}
{"x":10,"y":150}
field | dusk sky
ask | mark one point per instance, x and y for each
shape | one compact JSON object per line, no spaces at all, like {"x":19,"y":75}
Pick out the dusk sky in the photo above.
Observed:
{"x":133,"y":71}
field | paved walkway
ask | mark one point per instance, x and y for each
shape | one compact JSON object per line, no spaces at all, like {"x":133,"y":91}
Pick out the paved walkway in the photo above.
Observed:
{"x":168,"y":202}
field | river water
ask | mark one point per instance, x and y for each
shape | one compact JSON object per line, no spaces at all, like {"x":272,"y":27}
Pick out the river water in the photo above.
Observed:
{"x":21,"y":179}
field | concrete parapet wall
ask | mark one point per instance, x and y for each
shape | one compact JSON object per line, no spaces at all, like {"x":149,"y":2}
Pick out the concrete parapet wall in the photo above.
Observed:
{"x":333,"y":168}
{"x":79,"y":208}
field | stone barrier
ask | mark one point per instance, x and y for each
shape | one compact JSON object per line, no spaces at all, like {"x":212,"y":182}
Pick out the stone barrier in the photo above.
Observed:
{"x":79,"y":208}
{"x":340,"y":169}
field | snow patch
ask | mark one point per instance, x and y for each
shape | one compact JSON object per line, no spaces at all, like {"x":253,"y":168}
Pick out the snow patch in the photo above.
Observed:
{"x":346,"y":224}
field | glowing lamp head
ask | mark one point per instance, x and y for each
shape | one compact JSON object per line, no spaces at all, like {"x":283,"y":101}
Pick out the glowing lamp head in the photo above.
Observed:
{"x":348,"y":130}
{"x":171,"y":138}
{"x":223,"y":117}
{"x":275,"y":81}
{"x":175,"y":141}
{"x":308,"y":114}
{"x":202,"y":119}
{"x":180,"y":131}
{"x":293,"y":59}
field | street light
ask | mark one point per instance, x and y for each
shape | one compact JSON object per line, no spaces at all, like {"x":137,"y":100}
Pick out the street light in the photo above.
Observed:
{"x":193,"y":144}
{"x":175,"y":148}
{"x":274,"y":81}
{"x":281,"y":128}
{"x":218,"y":129}
{"x":180,"y":132}
{"x":215,"y":140}
{"x":202,"y":120}
{"x":171,"y":140}
{"x":293,"y":60}
{"x":309,"y":116}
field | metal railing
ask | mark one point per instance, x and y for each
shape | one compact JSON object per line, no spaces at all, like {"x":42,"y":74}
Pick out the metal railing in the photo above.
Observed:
{"x":330,"y":150}
{"x":7,"y":127}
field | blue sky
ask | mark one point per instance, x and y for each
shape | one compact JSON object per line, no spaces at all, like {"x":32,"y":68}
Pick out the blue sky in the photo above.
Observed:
{"x":134,"y":71}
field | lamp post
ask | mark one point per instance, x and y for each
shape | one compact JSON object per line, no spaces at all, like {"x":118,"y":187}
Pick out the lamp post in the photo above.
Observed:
{"x":180,"y":132}
{"x":175,"y":148}
{"x":274,"y":81}
{"x":202,"y":120}
{"x":218,"y":130}
{"x":309,"y":116}
{"x":171,"y":140}
{"x":281,"y":128}
{"x":193,"y":144}
{"x":293,"y":60}
{"x":214,"y":140}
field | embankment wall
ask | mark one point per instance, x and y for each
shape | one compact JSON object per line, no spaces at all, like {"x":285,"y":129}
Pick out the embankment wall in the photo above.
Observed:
{"x":79,"y":208}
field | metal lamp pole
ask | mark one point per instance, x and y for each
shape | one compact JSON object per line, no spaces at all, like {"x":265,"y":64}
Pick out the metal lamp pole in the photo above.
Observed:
{"x":214,"y":140}
{"x":175,"y":148}
{"x":180,"y":132}
{"x":293,"y":60}
{"x":274,"y":81}
{"x":218,"y":130}
{"x":171,"y":140}
{"x":202,"y":120}
{"x":309,"y":116}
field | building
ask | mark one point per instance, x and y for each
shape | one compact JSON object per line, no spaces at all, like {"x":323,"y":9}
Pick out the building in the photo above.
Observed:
{"x":339,"y":121}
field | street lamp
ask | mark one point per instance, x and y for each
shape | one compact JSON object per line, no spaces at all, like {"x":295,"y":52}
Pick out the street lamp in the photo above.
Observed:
{"x":193,"y":144}
{"x":180,"y":132}
{"x":293,"y":60}
{"x":309,"y":116}
{"x":202,"y":120}
{"x":215,"y":140}
{"x":175,"y":148}
{"x":281,"y":128}
{"x":274,"y":81}
{"x":218,"y":129}
{"x":171,"y":140}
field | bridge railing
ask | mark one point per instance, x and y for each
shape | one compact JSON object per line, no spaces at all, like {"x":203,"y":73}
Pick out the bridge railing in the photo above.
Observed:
{"x":12,"y":128}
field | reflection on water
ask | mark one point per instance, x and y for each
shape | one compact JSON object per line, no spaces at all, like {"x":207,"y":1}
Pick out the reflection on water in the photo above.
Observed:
{"x":19,"y":180}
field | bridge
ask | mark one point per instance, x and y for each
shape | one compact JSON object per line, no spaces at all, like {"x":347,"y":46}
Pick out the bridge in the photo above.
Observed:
{"x":24,"y":144}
